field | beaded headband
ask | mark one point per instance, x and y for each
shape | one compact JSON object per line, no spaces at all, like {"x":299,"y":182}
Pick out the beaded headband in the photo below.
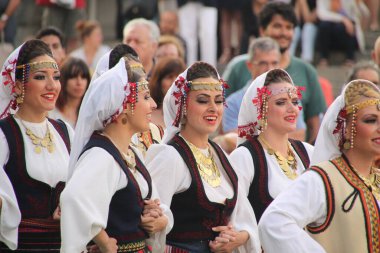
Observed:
{"x":206,"y":85}
{"x":183,"y":88}
{"x":364,"y":104}
{"x":291,"y":91}
{"x":35,"y":66}
{"x":132,"y":98}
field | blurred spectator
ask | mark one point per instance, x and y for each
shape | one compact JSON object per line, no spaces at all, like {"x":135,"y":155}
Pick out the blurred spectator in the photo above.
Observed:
{"x":327,"y":90}
{"x":263,"y":55}
{"x":373,"y":6}
{"x":128,"y":10}
{"x":366,"y":70}
{"x":75,"y":78}
{"x":169,"y":26}
{"x":198,"y":22}
{"x":250,"y":13}
{"x":169,"y":46}
{"x":8,"y":20}
{"x":143,"y":35}
{"x":277,"y":20}
{"x":375,"y":54}
{"x":339,"y":28}
{"x":167,"y":5}
{"x":28,"y":21}
{"x":54,"y":38}
{"x":92,"y":48}
{"x":64,"y":17}
{"x":306,"y":31}
{"x":230,"y":11}
{"x":227,"y":141}
{"x":164,"y":74}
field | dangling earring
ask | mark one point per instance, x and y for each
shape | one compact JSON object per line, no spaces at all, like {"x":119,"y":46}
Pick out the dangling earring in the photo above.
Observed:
{"x":264,"y":114}
{"x":349,"y":143}
{"x":20,"y":98}
{"x":124,"y":120}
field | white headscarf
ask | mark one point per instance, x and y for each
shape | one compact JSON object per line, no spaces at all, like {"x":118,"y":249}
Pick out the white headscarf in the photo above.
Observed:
{"x":170,"y":110}
{"x":8,"y":83}
{"x":327,"y":143}
{"x":248,"y":114}
{"x":103,"y":101}
{"x":102,"y":66}
{"x":171,"y":107}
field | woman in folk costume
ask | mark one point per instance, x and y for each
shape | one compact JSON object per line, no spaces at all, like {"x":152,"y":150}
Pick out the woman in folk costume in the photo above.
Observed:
{"x":142,"y":140}
{"x":192,"y":173}
{"x":110,"y":198}
{"x":338,"y":198}
{"x":267,"y":161}
{"x":34,"y":151}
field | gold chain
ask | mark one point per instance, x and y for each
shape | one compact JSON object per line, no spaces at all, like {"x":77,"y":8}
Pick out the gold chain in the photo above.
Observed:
{"x":129,"y":158}
{"x":288,"y":165}
{"x":206,"y":165}
{"x":38,"y":142}
{"x":372,"y":181}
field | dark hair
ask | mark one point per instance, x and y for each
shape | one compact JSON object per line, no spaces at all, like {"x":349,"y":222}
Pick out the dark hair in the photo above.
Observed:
{"x":86,"y":27}
{"x":30,"y":50}
{"x":134,"y":74}
{"x":118,"y":52}
{"x":164,"y":68}
{"x":277,"y":76}
{"x":72,"y":67}
{"x":50,"y":30}
{"x":201,"y":69}
{"x":286,"y":11}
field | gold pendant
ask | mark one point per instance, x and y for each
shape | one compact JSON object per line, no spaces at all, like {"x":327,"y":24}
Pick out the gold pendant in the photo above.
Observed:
{"x":38,"y":149}
{"x":51,"y":148}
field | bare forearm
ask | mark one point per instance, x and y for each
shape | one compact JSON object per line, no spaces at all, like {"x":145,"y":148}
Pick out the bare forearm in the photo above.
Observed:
{"x":12,"y":6}
{"x":241,"y":238}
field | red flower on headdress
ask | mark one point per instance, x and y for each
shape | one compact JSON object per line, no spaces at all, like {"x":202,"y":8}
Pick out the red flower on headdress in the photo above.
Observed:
{"x":299,"y":93}
{"x":262,"y":93}
{"x":247,"y":130}
{"x":7,"y":75}
{"x":341,"y":119}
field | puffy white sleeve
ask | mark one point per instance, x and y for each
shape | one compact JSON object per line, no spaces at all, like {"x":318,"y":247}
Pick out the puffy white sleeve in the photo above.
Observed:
{"x":243,"y":218}
{"x":303,"y":203}
{"x":168,"y":171}
{"x":86,"y":198}
{"x":10,"y":215}
{"x":242,"y":162}
{"x":158,"y":240}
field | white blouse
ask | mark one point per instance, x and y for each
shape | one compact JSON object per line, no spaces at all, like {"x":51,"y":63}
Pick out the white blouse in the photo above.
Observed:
{"x":171,"y":175}
{"x":86,"y":198}
{"x":242,"y":161}
{"x":303,"y":203}
{"x":46,"y":167}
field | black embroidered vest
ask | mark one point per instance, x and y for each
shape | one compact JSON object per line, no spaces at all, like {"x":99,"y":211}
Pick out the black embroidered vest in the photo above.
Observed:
{"x":126,"y":204}
{"x":194,"y":214}
{"x":258,"y":195}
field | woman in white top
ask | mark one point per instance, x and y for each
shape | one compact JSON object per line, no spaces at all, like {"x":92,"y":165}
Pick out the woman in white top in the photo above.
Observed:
{"x":110,"y":198}
{"x":34,"y":151}
{"x":192,"y":173}
{"x":334,"y":206}
{"x":267,"y":161}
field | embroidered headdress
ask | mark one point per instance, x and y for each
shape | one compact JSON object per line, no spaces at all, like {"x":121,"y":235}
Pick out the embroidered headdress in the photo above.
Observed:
{"x":253,"y":111}
{"x":175,"y":101}
{"x":331,"y":139}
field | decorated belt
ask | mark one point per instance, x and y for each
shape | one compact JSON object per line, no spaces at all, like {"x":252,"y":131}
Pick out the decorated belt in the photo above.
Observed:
{"x":131,"y":247}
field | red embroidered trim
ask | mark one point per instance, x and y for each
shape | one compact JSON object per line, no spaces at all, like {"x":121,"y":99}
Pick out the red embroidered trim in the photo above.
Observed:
{"x":247,"y":130}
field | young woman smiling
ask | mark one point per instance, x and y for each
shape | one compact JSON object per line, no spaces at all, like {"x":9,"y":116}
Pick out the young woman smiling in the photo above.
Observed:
{"x":34,"y":153}
{"x":338,"y":198}
{"x":110,"y":198}
{"x":197,"y":181}
{"x":267,"y":161}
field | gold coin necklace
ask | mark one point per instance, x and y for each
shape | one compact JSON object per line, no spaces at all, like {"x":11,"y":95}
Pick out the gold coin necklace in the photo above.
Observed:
{"x":288,"y":165}
{"x":206,"y":165}
{"x":372,"y":181}
{"x":39,"y":143}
